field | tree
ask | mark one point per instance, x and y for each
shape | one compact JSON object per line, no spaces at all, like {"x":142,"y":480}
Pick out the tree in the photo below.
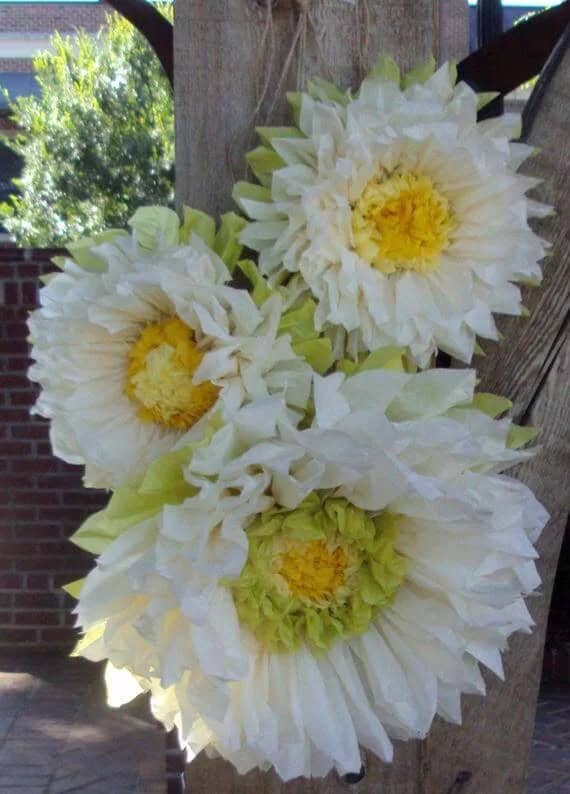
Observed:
{"x":96,"y":143}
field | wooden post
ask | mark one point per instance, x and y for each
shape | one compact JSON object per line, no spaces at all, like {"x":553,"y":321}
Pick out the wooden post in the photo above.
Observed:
{"x":222,"y":54}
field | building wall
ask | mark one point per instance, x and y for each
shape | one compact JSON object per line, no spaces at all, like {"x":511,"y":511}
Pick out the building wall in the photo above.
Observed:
{"x":42,"y":500}
{"x":25,"y":29}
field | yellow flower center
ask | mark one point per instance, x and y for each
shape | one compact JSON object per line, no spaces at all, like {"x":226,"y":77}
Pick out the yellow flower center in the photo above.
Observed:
{"x":402,"y":223}
{"x":162,"y":363}
{"x":314,"y":571}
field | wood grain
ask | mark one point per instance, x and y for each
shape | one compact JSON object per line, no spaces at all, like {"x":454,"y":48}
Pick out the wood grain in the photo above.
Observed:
{"x":531,"y":366}
{"x":221,"y":64}
{"x":518,"y":365}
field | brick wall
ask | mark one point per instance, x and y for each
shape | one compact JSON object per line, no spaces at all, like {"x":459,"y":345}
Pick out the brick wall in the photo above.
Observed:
{"x":49,"y":17}
{"x":42,"y":500}
{"x":15,"y":64}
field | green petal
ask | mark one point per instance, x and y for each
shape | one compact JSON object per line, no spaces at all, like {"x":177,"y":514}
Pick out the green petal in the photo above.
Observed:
{"x":74,"y":588}
{"x":393,"y":358}
{"x":420,"y":74}
{"x":267,"y":134}
{"x":227,"y":244}
{"x":485,"y":98}
{"x":519,"y":436}
{"x":260,"y":291}
{"x":82,"y":254}
{"x":91,"y":636}
{"x":155,"y":225}
{"x":324,"y":91}
{"x":197,"y":222}
{"x":318,"y":353}
{"x":386,"y":69}
{"x":295,"y":99}
{"x":248,"y":191}
{"x":263,"y":161}
{"x":491,"y":404}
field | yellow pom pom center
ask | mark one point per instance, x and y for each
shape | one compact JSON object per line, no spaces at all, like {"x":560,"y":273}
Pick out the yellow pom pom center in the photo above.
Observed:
{"x":402,"y":223}
{"x":314,"y":571}
{"x":162,"y":363}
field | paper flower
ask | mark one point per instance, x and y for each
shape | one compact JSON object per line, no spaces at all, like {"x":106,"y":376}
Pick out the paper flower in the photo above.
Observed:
{"x":316,"y":586}
{"x":141,"y":337}
{"x":403,"y":215}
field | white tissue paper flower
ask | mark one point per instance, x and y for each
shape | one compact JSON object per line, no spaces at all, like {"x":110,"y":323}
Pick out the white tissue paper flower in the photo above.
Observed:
{"x":135,"y":352}
{"x":402,"y":214}
{"x":322,"y":586}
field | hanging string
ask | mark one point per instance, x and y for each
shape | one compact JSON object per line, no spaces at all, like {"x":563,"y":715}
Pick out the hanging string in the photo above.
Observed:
{"x":311,"y":19}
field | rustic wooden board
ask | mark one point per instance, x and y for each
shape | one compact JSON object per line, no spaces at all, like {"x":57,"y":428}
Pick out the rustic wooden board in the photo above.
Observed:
{"x":222,"y":60}
{"x":219,"y":65}
{"x":532,"y":366}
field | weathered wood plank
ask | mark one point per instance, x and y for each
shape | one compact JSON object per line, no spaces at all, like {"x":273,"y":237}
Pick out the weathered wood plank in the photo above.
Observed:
{"x":492,"y":747}
{"x":532,"y":366}
{"x":222,"y":59}
{"x":517,"y":366}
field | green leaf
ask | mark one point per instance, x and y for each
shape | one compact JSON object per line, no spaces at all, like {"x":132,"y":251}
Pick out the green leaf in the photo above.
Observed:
{"x":420,"y":74}
{"x":267,"y":134}
{"x":452,"y":66}
{"x":385,"y":69}
{"x":491,"y":404}
{"x":162,"y":483}
{"x":260,"y":289}
{"x":81,"y":251}
{"x":197,"y":222}
{"x":155,"y":225}
{"x":519,"y":436}
{"x":91,"y":636}
{"x":318,"y":353}
{"x":263,"y":161}
{"x":295,"y":99}
{"x":74,"y":588}
{"x":250,"y":192}
{"x":227,"y":244}
{"x":485,"y":98}
{"x":324,"y":91}
{"x":299,"y":322}
{"x":385,"y":358}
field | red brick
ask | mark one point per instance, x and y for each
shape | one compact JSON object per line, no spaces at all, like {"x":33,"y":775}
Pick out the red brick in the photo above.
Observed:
{"x":37,"y":600}
{"x":22,"y":398}
{"x":15,"y":448}
{"x":18,"y":549}
{"x":37,"y":618}
{"x":33,"y":466}
{"x":11,"y":513}
{"x":36,"y":497}
{"x":13,"y":346}
{"x":6,"y":617}
{"x":47,"y":564}
{"x":14,"y":382}
{"x":43,"y":448}
{"x":5,"y":599}
{"x":11,"y":293}
{"x":58,"y":636}
{"x":16,"y":330}
{"x":38,"y":581}
{"x":33,"y":429}
{"x":13,"y":415}
{"x":11,"y":581}
{"x":17,"y":636}
{"x":18,"y":364}
{"x":40,"y":530}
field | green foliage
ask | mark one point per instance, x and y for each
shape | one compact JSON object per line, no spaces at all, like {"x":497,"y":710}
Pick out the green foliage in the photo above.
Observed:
{"x":97,"y":142}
